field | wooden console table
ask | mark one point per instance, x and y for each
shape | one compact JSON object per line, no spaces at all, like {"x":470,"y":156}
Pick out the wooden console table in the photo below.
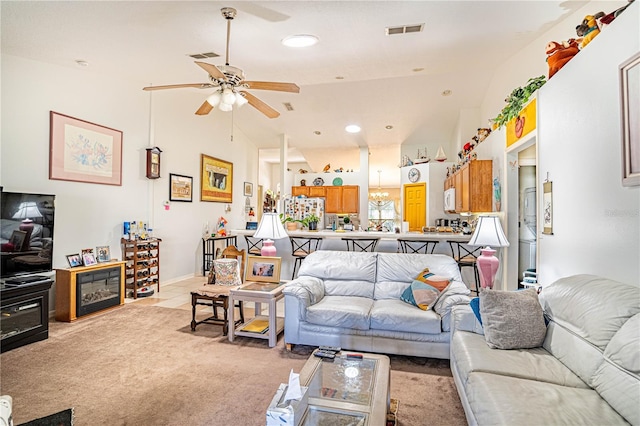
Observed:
{"x":66,"y":289}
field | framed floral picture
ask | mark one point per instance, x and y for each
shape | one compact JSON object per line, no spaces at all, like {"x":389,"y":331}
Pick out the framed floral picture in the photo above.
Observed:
{"x":81,"y":151}
{"x":216,"y":179}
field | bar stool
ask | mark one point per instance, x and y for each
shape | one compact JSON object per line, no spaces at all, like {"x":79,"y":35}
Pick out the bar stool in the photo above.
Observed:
{"x":416,"y":246}
{"x":466,"y":257}
{"x":301,"y":247}
{"x":254,"y":245}
{"x":361,"y":244}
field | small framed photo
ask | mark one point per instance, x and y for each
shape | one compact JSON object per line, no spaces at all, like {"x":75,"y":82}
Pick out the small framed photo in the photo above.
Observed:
{"x":263,"y":269}
{"x":89,"y":259}
{"x":74,"y":260}
{"x":180,"y":188}
{"x":17,"y":240}
{"x":103,"y":254}
{"x":248,"y":189}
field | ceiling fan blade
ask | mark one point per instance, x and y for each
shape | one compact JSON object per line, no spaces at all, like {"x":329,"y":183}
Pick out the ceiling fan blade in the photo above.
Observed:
{"x":273,"y":85}
{"x":179,"y":86}
{"x":261,"y":106}
{"x":204,"y":109}
{"x":212,"y":70}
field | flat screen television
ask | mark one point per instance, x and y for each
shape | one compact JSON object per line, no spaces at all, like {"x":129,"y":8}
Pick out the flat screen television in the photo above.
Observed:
{"x":26,"y":233}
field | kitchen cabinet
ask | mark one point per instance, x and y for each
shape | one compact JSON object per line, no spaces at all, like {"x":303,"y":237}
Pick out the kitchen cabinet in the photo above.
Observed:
{"x":342,"y":199}
{"x":308,"y":191}
{"x":473,"y":186}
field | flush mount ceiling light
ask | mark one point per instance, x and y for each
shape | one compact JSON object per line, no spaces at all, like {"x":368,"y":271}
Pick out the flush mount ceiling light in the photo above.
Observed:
{"x":388,"y":127}
{"x":353,"y":128}
{"x":82,"y":63}
{"x":300,"y":40}
{"x":446,"y":92}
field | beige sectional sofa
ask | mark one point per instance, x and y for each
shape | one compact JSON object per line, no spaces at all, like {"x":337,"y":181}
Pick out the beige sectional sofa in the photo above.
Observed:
{"x":587,"y":371}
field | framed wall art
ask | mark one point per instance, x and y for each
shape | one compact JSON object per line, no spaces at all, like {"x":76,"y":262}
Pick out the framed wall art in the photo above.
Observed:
{"x":81,"y":151}
{"x":630,"y":112}
{"x":248,"y":189}
{"x":263,"y":269}
{"x":216,"y":180}
{"x":180,"y":188}
{"x":547,"y":208}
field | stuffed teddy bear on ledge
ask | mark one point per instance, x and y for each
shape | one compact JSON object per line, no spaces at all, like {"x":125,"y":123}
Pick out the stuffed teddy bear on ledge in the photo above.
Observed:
{"x":588,"y":30}
{"x":558,"y":54}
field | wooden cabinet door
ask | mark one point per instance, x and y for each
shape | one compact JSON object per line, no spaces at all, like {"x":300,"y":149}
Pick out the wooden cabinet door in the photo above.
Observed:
{"x":317,"y":191}
{"x":350,"y":199}
{"x":300,"y":190}
{"x":333,"y":199}
{"x":481,"y":186}
{"x":465,"y":172}
{"x":458,"y":187}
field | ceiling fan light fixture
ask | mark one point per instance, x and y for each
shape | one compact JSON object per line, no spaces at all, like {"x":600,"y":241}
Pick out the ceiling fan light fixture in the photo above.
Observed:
{"x":214,"y":99}
{"x":300,"y":40}
{"x":228,"y":97}
{"x":240,"y":100}
{"x":223,"y":106}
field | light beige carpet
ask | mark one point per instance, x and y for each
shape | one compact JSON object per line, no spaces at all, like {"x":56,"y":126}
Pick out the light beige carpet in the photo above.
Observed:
{"x":141,"y":365}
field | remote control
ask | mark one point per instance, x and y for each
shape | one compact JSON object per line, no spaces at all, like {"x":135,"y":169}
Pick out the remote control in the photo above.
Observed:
{"x":330,"y":348}
{"x":324,"y":354}
{"x":354,"y":356}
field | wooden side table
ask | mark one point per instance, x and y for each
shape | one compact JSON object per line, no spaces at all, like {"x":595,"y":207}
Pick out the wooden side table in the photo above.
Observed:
{"x":258,"y":293}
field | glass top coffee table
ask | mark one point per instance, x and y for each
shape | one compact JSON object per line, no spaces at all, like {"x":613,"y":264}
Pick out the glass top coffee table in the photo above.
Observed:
{"x":346,"y":391}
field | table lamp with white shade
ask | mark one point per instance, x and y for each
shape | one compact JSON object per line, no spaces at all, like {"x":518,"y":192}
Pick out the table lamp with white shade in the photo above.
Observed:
{"x":26,"y":211}
{"x":269,"y":229}
{"x":488,"y":233}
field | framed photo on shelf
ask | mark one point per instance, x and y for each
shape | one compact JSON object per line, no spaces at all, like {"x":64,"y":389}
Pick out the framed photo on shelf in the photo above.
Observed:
{"x":216,"y":180}
{"x":103,"y":254}
{"x":263,"y":269}
{"x":74,"y":260}
{"x":81,"y":151}
{"x":630,"y":108}
{"x":89,"y":259}
{"x":180,"y":188}
{"x":248,"y":189}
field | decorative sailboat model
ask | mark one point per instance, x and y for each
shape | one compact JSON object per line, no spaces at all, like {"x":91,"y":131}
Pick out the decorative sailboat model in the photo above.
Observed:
{"x":440,"y":155}
{"x":424,"y":158}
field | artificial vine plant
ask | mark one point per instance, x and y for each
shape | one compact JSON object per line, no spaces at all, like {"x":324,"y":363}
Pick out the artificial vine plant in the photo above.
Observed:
{"x":516,"y":100}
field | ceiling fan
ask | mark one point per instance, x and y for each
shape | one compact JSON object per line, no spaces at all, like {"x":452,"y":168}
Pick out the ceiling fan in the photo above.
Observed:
{"x":230,"y":85}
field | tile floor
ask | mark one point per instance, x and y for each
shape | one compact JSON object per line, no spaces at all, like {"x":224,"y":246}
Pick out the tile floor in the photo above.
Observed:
{"x":175,"y":295}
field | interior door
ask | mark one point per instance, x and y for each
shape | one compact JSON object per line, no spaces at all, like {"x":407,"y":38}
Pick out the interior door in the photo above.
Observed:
{"x":415,"y":205}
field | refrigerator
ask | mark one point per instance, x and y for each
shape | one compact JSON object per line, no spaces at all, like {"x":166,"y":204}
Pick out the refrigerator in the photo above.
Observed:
{"x":299,"y":208}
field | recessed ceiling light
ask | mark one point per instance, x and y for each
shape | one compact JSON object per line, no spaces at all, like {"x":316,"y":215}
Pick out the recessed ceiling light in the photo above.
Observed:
{"x":417,"y":69}
{"x":82,"y":63}
{"x":300,"y":40}
{"x":339,"y":77}
{"x":317,"y":132}
{"x":446,"y":92}
{"x":388,"y":127}
{"x":352,"y":128}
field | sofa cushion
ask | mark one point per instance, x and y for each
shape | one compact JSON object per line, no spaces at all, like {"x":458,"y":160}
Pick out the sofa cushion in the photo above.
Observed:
{"x":497,"y":399}
{"x":470,"y":353}
{"x":404,"y":267}
{"x":359,"y":288}
{"x":395,"y":315}
{"x":332,"y":265}
{"x":420,"y":294}
{"x":512,"y":319}
{"x":341,"y":311}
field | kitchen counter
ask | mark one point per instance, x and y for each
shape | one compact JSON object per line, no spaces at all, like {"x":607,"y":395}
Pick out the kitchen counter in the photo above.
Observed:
{"x":389,"y":236}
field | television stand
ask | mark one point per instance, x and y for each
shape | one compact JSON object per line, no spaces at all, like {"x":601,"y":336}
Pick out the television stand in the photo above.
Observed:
{"x":26,"y":280}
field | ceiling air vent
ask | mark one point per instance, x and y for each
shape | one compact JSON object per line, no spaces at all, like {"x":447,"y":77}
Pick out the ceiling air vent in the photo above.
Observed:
{"x":404,"y":29}
{"x":288,"y":106}
{"x":203,"y":55}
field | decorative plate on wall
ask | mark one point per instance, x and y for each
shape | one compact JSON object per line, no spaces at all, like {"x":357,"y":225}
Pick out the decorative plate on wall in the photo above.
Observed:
{"x":337,"y":182}
{"x":318,"y":181}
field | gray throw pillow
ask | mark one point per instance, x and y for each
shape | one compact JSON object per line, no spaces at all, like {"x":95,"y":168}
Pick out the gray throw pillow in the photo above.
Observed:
{"x":512,"y":319}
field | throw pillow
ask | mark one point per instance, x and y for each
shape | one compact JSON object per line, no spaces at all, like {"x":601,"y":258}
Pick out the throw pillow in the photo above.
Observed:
{"x":420,"y":294}
{"x":475,"y":307}
{"x":433,"y":280}
{"x":512,"y":319}
{"x":227,"y":272}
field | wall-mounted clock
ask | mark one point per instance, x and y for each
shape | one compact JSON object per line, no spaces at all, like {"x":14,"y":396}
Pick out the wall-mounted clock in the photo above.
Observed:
{"x":414,"y":174}
{"x":153,"y":162}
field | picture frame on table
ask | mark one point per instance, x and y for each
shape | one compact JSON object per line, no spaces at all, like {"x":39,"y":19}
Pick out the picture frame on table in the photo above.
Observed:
{"x":216,"y":179}
{"x":81,"y":151}
{"x":74,"y":260}
{"x":180,"y":188}
{"x":263,"y":269}
{"x":248,"y":189}
{"x":89,"y":259}
{"x":17,"y":239}
{"x":103,"y":254}
{"x":630,"y":120}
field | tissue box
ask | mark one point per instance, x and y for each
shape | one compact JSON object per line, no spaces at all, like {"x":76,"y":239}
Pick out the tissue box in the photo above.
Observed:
{"x":290,"y":413}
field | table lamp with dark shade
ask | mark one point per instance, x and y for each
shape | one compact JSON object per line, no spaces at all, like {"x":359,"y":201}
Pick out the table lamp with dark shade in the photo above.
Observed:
{"x":269,"y":229}
{"x":488,"y":233}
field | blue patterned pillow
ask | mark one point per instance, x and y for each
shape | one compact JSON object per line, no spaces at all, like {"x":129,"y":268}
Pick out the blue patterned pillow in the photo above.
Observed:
{"x":475,"y":307}
{"x":420,"y":294}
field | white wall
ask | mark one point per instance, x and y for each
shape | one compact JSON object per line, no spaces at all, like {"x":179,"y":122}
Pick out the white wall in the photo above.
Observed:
{"x":88,"y":215}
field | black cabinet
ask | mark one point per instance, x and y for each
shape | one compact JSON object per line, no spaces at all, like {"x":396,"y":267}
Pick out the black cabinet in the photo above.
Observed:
{"x":25,"y":312}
